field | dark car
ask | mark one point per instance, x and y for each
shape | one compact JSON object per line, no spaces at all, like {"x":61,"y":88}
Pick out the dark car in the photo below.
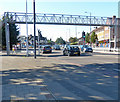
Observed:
{"x":46,"y":49}
{"x":71,"y":50}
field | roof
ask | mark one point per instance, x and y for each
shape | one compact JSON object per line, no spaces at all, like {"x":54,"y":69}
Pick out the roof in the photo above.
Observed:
{"x":97,"y":29}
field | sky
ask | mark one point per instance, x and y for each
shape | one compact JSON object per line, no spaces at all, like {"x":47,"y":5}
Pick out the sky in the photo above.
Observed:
{"x":103,"y":8}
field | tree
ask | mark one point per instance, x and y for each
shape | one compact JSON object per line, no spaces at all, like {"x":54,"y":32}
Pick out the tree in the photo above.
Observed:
{"x":0,"y":34}
{"x":93,"y":37}
{"x":87,"y":38}
{"x":73,"y":39}
{"x":50,"y":42}
{"x":14,"y":33}
{"x":60,"y":41}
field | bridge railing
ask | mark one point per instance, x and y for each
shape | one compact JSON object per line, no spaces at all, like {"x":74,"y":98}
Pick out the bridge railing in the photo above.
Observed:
{"x":60,"y":19}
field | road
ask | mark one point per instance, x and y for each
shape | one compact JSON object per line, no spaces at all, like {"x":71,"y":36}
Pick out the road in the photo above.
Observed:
{"x":86,"y":77}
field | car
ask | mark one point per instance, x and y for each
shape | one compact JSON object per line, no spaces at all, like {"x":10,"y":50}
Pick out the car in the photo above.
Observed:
{"x":56,"y":47}
{"x":86,"y":48}
{"x":71,"y":50}
{"x":46,"y":49}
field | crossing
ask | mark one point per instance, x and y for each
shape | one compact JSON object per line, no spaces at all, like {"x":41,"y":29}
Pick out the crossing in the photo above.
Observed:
{"x":60,"y":19}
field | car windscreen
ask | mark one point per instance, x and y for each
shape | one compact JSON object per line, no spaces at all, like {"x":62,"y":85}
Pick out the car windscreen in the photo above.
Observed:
{"x":47,"y":47}
{"x":86,"y":46}
{"x":57,"y":46}
{"x":74,"y":48}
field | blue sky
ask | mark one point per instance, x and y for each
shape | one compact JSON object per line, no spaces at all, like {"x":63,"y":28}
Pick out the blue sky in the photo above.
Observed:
{"x":104,"y":9}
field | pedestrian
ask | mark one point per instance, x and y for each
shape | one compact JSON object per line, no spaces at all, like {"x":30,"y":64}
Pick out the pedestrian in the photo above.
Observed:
{"x":13,"y":49}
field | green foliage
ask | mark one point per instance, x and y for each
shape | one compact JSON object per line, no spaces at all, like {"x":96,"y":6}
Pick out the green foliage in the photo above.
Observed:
{"x":93,"y":37}
{"x":50,"y":42}
{"x":0,"y":34}
{"x":74,"y":43}
{"x":73,"y":39}
{"x":87,"y":38}
{"x":14,"y":32}
{"x":60,"y":41}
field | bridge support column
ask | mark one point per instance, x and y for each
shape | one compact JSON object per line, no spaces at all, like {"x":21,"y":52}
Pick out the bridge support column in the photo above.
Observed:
{"x":7,"y":37}
{"x":115,"y":37}
{"x":110,"y":38}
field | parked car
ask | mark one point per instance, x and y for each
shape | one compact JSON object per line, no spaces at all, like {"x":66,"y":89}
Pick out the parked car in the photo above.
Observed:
{"x":71,"y":50}
{"x":56,"y":47}
{"x":86,"y":48}
{"x":46,"y":49}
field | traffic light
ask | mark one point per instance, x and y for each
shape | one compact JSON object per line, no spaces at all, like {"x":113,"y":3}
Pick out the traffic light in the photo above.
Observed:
{"x":83,"y":35}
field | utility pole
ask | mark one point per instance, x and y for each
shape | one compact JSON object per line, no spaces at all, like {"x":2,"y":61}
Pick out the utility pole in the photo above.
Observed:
{"x":90,"y":22}
{"x":39,"y":42}
{"x":7,"y":34}
{"x":115,"y":33}
{"x":110,"y":38}
{"x":26,"y":31}
{"x":90,"y":25}
{"x":7,"y":38}
{"x":76,"y":31}
{"x":34,"y":29}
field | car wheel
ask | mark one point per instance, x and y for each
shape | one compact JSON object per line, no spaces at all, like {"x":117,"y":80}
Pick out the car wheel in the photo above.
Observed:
{"x":79,"y":54}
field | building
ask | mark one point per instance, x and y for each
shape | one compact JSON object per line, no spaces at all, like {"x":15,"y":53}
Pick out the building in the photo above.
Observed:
{"x":102,"y":35}
{"x":112,"y":33}
{"x":119,"y":9}
{"x":106,"y":35}
{"x":22,"y":41}
{"x":42,"y":40}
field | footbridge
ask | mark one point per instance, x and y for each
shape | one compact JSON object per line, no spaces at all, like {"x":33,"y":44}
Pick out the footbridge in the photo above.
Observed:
{"x":56,"y":19}
{"x":60,"y":19}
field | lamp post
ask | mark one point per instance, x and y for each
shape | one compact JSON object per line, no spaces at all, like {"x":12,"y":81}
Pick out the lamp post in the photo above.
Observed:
{"x":76,"y":31}
{"x":90,"y":20}
{"x":34,"y":29}
{"x":26,"y":31}
{"x":90,"y":25}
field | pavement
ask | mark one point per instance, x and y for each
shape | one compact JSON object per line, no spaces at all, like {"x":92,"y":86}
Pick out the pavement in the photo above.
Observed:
{"x":106,"y":52}
{"x":20,"y":83}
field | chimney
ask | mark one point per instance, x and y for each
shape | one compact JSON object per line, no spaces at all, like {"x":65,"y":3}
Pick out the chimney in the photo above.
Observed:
{"x":113,"y":19}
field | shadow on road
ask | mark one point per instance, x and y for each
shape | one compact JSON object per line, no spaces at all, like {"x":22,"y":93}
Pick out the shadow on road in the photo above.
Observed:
{"x":100,"y":77}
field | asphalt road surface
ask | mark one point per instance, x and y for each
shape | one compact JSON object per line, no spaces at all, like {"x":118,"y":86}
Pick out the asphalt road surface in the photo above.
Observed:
{"x":91,"y":76}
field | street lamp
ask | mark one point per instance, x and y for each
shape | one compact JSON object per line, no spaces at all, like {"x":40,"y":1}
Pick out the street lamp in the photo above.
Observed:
{"x":34,"y":29}
{"x":76,"y":31}
{"x":90,"y":20}
{"x":26,"y":31}
{"x":90,"y":24}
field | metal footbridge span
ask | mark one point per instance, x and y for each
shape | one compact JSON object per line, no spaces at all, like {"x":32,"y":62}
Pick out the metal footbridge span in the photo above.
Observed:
{"x":60,"y":19}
